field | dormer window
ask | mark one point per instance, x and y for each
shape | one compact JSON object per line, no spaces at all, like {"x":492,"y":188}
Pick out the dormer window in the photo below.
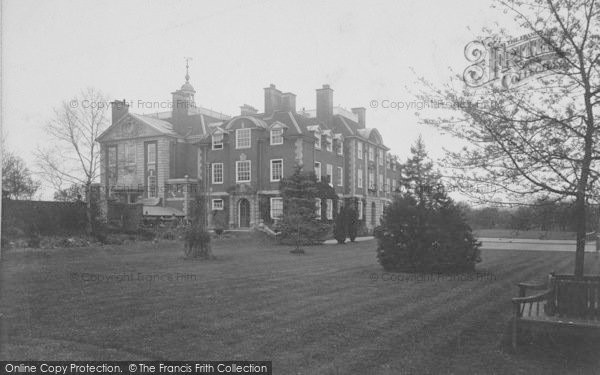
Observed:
{"x":277,"y":136}
{"x":318,"y":141}
{"x":242,"y":138}
{"x":340,"y":147}
{"x":217,"y":141}
{"x":328,"y":144}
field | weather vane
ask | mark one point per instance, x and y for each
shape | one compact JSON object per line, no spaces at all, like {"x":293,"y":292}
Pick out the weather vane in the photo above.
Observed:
{"x":187,"y":68}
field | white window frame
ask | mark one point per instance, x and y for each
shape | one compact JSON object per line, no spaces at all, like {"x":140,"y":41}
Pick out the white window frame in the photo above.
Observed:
{"x":274,"y":137}
{"x":371,"y":181}
{"x":271,"y":169}
{"x":329,"y":171}
{"x":216,"y":207}
{"x":271,"y":207}
{"x":340,"y":149}
{"x":318,"y":208}
{"x":237,"y":170}
{"x":214,"y":181}
{"x":360,"y":210}
{"x":239,"y":138}
{"x":359,"y":150}
{"x":340,"y":176}
{"x":359,"y":178}
{"x":318,"y":141}
{"x":380,"y":183}
{"x":329,"y":209}
{"x":328,"y":144}
{"x":216,"y":142}
{"x":319,"y":170}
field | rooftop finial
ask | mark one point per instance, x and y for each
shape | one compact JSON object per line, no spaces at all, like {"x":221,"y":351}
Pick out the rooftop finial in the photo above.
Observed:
{"x":187,"y":69}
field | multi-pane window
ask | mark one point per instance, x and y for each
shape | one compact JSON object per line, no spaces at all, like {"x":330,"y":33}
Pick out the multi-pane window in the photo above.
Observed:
{"x":329,"y":208}
{"x":340,"y":147}
{"x":330,"y":174}
{"x":112,"y":165}
{"x":329,"y":144}
{"x":380,"y":183}
{"x":217,"y":173}
{"x":277,"y":136}
{"x":129,"y":153}
{"x":276,"y":208}
{"x":318,"y":208}
{"x":371,"y":180}
{"x":242,"y":171}
{"x":381,"y":157}
{"x":340,"y":176}
{"x":151,"y":169}
{"x":360,"y":210}
{"x":318,"y":170}
{"x":318,"y":141}
{"x":359,"y":178}
{"x":371,"y":153}
{"x":217,"y":204}
{"x":276,"y":170}
{"x":242,"y":138}
{"x":217,"y":141}
{"x":359,"y":150}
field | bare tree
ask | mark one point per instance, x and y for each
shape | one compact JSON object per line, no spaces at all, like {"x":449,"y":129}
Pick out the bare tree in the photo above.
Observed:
{"x":73,"y":156}
{"x":539,"y":136}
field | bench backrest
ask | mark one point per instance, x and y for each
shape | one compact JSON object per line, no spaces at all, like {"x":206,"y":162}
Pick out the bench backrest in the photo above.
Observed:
{"x":576,"y":298}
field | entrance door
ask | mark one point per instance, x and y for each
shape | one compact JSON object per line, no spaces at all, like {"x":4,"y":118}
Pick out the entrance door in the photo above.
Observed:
{"x":244,"y":213}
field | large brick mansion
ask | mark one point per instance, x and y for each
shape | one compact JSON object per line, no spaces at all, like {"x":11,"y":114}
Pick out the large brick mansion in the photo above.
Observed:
{"x":162,"y":160}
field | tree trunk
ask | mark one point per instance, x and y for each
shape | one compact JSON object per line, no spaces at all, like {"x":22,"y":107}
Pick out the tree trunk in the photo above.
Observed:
{"x":88,"y":209}
{"x":580,"y":249}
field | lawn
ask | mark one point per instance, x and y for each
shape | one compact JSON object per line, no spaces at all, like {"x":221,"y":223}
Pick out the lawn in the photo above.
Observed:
{"x":331,"y":311}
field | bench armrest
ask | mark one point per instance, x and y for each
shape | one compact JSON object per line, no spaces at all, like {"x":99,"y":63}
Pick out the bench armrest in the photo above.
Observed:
{"x":523,"y":287}
{"x":543,"y":296}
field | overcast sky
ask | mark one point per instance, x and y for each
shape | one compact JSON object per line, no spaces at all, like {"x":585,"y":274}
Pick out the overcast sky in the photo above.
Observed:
{"x":135,"y":50}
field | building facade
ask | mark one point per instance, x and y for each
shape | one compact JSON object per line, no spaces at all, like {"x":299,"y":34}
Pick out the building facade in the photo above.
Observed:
{"x":165,"y":160}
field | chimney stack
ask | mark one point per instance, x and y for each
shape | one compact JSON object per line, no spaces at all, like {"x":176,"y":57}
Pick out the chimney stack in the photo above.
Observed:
{"x":361,"y":113}
{"x":248,"y":110}
{"x":119,"y":109}
{"x":272,"y":99}
{"x":325,"y":104}
{"x":288,"y":102}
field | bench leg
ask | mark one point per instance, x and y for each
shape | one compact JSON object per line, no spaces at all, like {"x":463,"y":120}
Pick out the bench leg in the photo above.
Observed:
{"x":514,"y":333}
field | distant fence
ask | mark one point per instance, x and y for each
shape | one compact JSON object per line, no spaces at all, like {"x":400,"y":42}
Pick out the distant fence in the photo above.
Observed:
{"x":21,"y":217}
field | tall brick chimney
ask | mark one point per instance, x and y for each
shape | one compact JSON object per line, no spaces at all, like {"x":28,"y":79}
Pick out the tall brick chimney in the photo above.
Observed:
{"x":119,"y":109}
{"x":272,"y":99}
{"x":325,"y":104}
{"x":248,"y":110}
{"x":288,"y":102}
{"x":361,"y":113}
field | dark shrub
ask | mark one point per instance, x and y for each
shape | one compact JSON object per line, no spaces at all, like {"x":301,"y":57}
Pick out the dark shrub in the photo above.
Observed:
{"x":352,"y":222}
{"x":145,"y":234}
{"x":425,"y":237}
{"x":197,"y":242}
{"x":339,"y":228}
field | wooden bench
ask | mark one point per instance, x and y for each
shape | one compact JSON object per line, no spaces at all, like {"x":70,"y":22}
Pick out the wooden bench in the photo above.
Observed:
{"x":564,"y":305}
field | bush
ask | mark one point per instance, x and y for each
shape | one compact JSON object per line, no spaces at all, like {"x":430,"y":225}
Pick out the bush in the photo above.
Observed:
{"x":197,"y":242}
{"x":425,"y":238}
{"x":145,"y":234}
{"x":352,"y":222}
{"x":339,"y":228}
